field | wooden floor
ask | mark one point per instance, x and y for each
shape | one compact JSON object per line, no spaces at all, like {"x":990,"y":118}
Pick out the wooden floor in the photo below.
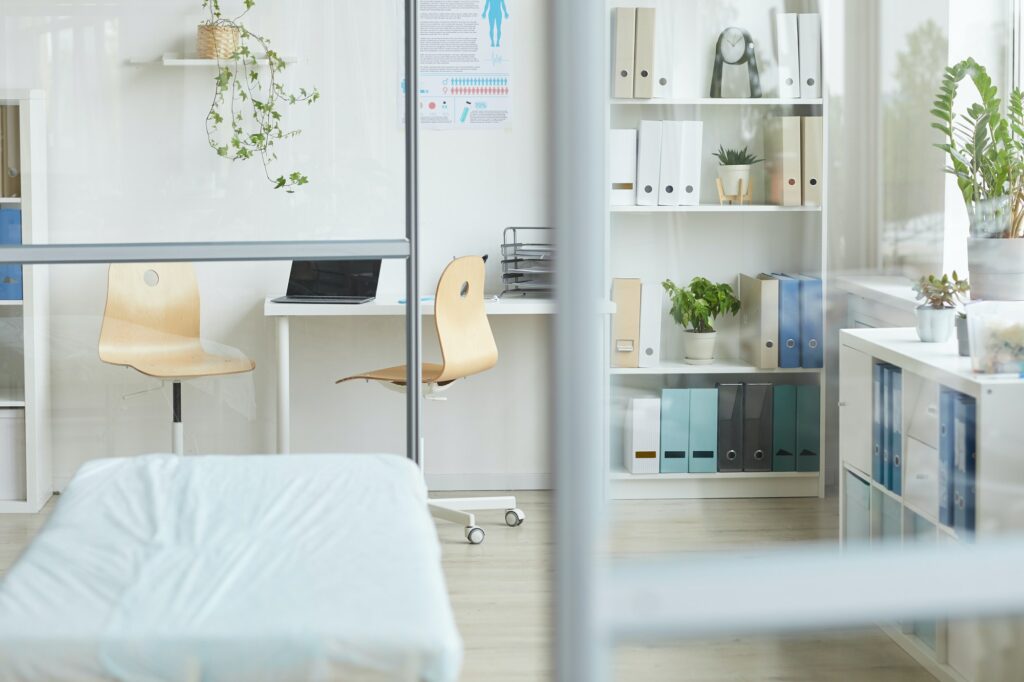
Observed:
{"x":501,"y":594}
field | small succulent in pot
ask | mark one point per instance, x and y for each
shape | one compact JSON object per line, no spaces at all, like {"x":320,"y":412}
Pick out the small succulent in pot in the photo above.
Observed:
{"x":734,"y":169}
{"x":937,"y":314}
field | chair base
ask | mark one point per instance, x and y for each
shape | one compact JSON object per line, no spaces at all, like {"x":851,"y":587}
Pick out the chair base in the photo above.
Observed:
{"x":459,"y":510}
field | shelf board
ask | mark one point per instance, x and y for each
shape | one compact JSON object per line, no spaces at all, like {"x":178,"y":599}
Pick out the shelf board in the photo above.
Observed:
{"x":717,"y":367}
{"x":716,"y":208}
{"x":12,"y":302}
{"x":178,"y":60}
{"x":622,"y":475}
{"x":10,"y":200}
{"x":720,"y":101}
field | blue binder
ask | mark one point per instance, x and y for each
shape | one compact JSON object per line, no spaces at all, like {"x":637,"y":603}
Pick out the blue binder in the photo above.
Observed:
{"x":808,"y":428}
{"x":811,"y":320}
{"x":789,"y":321}
{"x":11,"y":286}
{"x":876,"y":422}
{"x":675,"y":430}
{"x":896,"y":433}
{"x":947,"y":448}
{"x":784,"y":428}
{"x":963,"y":482}
{"x":886,"y":424}
{"x":703,"y":430}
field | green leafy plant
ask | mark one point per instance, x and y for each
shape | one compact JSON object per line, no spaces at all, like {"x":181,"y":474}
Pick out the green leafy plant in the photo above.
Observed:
{"x":984,"y":146}
{"x":247,"y":100}
{"x":702,"y":302}
{"x":942,"y":292}
{"x":735,"y":157}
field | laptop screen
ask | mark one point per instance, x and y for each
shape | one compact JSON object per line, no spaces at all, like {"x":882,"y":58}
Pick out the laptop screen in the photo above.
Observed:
{"x":334,"y":278}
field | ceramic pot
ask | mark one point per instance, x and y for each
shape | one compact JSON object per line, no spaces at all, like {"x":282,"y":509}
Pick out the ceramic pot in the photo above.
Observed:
{"x":935,"y":325}
{"x":699,"y":348}
{"x":731,"y":177}
{"x":996,"y":269}
{"x":963,"y":339}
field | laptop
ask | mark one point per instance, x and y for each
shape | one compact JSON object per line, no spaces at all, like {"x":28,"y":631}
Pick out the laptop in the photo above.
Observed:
{"x":336,"y":281}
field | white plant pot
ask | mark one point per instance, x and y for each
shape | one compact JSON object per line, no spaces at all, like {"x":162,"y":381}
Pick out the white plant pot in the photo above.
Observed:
{"x":731,"y":177}
{"x":699,"y":348}
{"x":935,"y":325}
{"x":996,"y":269}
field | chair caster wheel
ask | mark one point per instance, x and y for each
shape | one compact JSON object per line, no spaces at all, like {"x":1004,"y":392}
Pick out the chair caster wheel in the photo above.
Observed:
{"x":475,"y":534}
{"x":514,"y":517}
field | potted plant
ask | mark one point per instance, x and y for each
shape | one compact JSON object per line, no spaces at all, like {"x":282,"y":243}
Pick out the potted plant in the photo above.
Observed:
{"x":697,"y":306}
{"x":935,"y":317}
{"x":986,"y":155}
{"x":245,"y":119}
{"x":734,"y":169}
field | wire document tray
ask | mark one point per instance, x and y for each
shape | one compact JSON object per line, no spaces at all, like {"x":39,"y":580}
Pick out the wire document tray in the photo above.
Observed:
{"x":527,"y":261}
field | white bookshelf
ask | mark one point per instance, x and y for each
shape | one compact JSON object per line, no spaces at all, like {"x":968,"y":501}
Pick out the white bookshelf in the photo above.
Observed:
{"x":960,"y":648}
{"x":711,"y":240}
{"x":29,"y":383}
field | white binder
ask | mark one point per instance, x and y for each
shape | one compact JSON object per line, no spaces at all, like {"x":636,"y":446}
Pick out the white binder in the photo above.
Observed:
{"x":671,"y":163}
{"x":648,"y":164}
{"x":643,"y":65}
{"x":690,"y":162}
{"x":811,"y":143}
{"x":625,"y":36}
{"x":622,"y":167}
{"x":782,"y":160}
{"x":650,"y":324}
{"x":787,"y":41}
{"x":665,"y":53}
{"x":643,"y":436}
{"x":759,"y":320}
{"x":809,"y":28}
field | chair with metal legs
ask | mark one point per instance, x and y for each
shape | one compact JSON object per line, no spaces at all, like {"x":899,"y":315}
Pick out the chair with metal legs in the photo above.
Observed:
{"x":151,"y":324}
{"x":467,"y":348}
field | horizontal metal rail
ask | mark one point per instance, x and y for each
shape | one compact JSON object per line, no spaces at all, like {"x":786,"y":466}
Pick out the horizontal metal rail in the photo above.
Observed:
{"x":342,"y":249}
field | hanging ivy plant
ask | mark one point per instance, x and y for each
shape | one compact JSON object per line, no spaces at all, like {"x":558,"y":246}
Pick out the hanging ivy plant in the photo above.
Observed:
{"x":247,"y":97}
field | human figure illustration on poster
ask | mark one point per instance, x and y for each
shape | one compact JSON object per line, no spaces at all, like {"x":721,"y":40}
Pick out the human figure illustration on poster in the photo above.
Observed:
{"x":493,"y":10}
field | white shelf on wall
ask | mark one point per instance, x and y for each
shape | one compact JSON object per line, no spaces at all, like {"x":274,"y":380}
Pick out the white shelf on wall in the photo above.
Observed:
{"x":11,"y":302}
{"x":178,"y":60}
{"x":716,"y":208}
{"x":717,"y":367}
{"x":623,"y":475}
{"x":10,"y":200}
{"x":719,"y":102}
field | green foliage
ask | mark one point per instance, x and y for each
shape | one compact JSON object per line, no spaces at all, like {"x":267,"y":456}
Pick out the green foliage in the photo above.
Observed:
{"x":735,"y":157}
{"x":701,"y":303}
{"x":985,"y":148}
{"x":942,"y":292}
{"x":247,"y":102}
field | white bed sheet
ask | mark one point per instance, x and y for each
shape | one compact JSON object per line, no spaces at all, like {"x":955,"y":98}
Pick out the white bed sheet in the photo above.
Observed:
{"x":295,"y":567}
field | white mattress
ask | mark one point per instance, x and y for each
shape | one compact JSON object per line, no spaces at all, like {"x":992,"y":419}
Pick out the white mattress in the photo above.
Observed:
{"x":295,"y":567}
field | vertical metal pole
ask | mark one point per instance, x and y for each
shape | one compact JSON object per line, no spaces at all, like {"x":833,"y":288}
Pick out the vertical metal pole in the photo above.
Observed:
{"x":580,"y":467}
{"x":412,"y":271}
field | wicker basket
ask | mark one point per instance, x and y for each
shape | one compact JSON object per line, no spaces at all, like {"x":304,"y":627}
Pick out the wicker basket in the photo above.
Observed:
{"x":216,"y":42}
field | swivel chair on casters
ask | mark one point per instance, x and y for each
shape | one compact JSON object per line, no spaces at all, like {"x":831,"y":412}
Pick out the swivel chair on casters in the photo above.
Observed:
{"x":467,"y":348}
{"x":151,"y":324}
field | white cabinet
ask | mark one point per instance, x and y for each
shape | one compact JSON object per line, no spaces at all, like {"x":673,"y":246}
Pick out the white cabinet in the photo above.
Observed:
{"x":855,"y":408}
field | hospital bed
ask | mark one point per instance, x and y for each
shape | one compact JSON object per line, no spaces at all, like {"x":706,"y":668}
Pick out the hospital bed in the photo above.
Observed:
{"x":297,"y":567}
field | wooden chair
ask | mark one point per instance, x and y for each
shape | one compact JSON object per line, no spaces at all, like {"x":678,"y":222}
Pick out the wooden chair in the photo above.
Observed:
{"x":151,"y":324}
{"x":467,"y":348}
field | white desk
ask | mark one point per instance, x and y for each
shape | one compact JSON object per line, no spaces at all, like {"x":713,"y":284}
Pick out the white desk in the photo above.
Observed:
{"x":285,"y":311}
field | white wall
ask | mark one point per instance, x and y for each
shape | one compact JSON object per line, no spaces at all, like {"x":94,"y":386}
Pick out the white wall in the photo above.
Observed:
{"x":129,"y":162}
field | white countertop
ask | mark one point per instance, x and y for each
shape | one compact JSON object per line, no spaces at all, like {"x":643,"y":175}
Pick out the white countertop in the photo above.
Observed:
{"x":390,"y":306}
{"x":891,"y":290}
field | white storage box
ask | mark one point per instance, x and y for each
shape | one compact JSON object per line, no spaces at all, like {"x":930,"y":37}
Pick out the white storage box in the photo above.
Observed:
{"x":12,"y":454}
{"x":643,"y":436}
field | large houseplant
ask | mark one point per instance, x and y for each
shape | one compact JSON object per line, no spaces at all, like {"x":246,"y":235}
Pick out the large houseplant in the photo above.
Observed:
{"x":697,"y":306}
{"x":244,"y":119}
{"x":985,"y":147}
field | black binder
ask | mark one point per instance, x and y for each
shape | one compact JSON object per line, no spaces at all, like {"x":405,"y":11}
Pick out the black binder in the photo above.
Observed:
{"x":730,"y":427}
{"x":757,"y":427}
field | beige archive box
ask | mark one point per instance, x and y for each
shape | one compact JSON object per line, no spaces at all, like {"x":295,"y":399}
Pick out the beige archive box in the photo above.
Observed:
{"x":759,"y":320}
{"x":811,"y":147}
{"x":643,"y":65}
{"x":625,"y":52}
{"x":626,"y":295}
{"x":782,"y":160}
